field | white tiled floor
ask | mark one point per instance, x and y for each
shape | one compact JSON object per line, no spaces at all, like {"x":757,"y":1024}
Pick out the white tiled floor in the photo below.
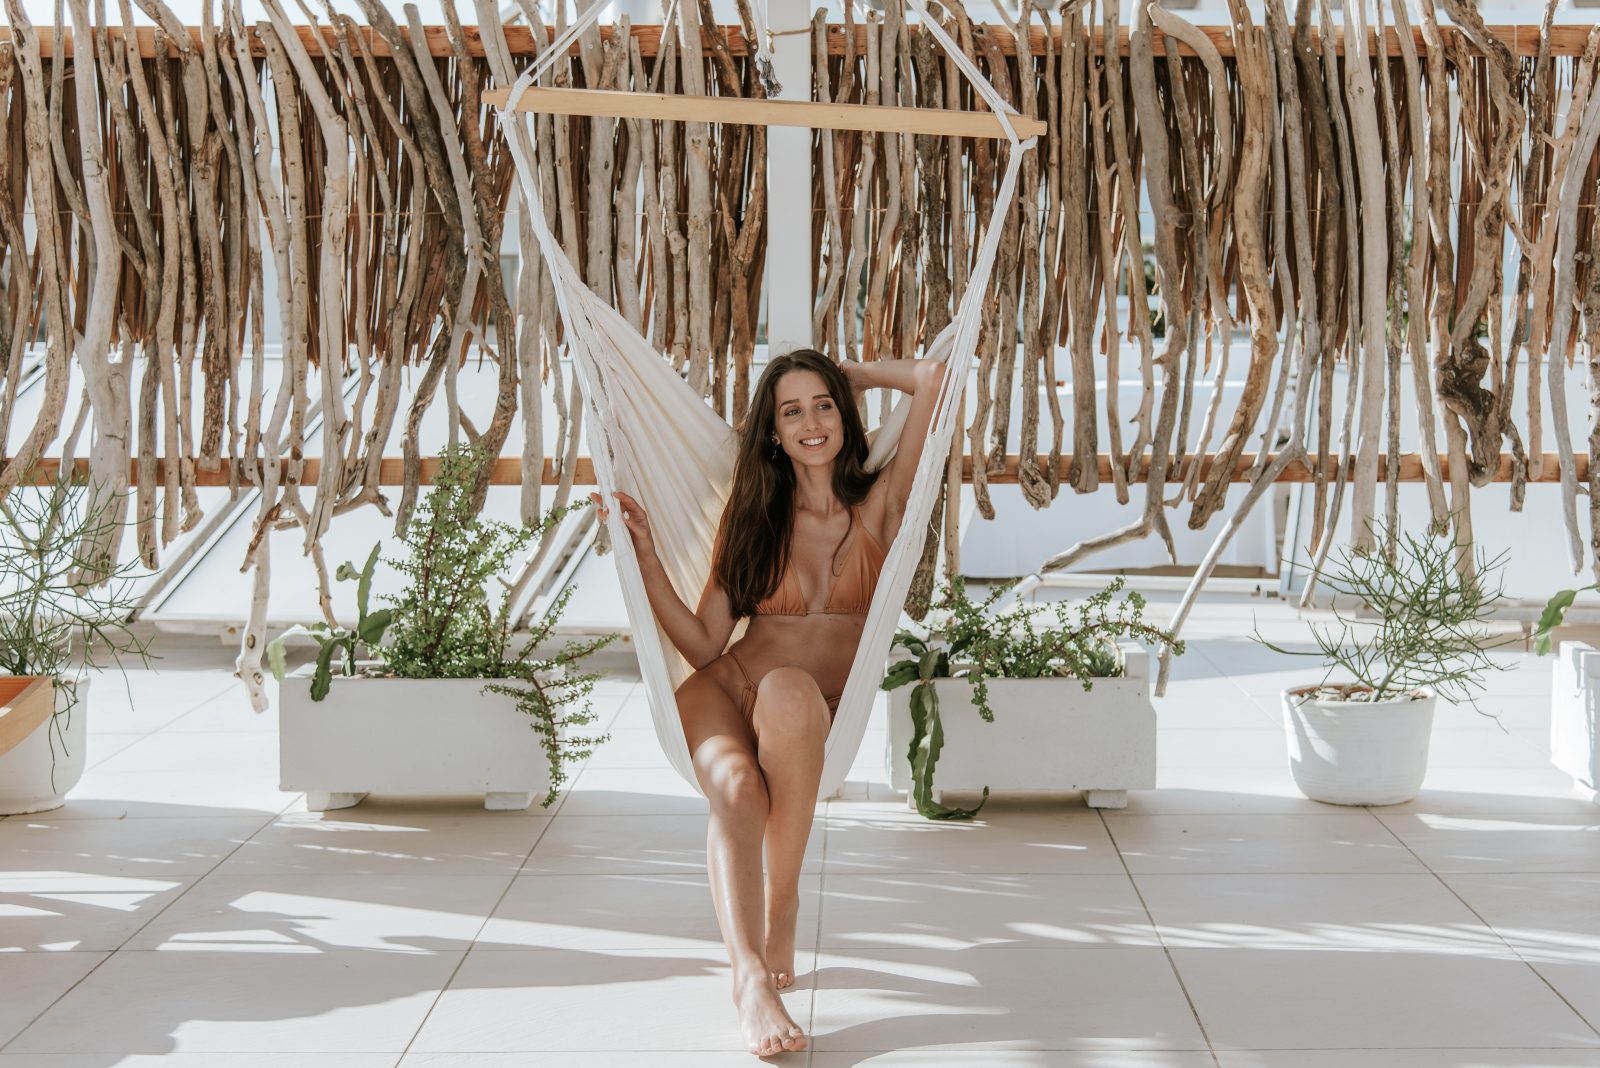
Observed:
{"x":181,"y":909}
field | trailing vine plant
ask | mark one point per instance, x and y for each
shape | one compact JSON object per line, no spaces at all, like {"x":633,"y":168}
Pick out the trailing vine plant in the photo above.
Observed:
{"x":967,"y":639}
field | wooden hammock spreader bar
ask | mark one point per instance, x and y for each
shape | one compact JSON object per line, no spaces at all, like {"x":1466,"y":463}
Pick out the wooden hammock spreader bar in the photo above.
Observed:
{"x":1565,"y":40}
{"x":508,"y":470}
{"x":757,"y":112}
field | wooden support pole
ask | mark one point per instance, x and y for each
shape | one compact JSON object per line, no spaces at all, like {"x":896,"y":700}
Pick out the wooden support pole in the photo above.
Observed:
{"x":805,"y":113}
{"x":508,"y":470}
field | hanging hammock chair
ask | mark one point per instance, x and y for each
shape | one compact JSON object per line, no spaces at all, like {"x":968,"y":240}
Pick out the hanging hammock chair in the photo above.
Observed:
{"x":651,"y":435}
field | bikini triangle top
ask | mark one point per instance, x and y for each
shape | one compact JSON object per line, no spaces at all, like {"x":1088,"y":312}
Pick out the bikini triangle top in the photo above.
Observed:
{"x":852,"y":590}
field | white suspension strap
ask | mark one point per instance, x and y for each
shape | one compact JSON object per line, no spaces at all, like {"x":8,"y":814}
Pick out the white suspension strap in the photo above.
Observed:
{"x":974,"y":76}
{"x":559,"y":47}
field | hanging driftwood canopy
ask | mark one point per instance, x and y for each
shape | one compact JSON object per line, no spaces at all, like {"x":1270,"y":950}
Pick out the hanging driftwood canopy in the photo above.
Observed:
{"x":1320,"y":194}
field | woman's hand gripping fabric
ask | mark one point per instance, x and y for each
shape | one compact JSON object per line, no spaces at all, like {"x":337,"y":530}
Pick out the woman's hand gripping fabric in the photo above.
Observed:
{"x":634,"y":518}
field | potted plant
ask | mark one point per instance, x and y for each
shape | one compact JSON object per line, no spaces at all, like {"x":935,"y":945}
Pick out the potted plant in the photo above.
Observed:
{"x":64,"y":611}
{"x":1575,"y":693}
{"x":1363,"y":739}
{"x":1070,"y":696}
{"x":448,"y":699}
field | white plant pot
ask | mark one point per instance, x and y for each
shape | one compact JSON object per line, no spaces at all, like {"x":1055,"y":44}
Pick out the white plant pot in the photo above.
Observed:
{"x":1358,"y":752}
{"x":1575,"y":713}
{"x":407,"y":736}
{"x":1047,"y":735}
{"x":37,"y":772}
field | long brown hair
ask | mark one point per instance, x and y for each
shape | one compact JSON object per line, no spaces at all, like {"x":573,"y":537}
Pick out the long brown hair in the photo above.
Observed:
{"x":758,"y":522}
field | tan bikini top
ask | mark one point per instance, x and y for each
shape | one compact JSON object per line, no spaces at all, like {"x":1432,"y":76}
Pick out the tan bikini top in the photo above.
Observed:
{"x":853,"y":587}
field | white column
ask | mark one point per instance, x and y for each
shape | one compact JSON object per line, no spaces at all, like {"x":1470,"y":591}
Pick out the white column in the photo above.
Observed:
{"x":788,"y":270}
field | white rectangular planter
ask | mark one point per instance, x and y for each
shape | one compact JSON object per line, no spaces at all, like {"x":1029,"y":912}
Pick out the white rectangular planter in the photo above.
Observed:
{"x":1575,"y":713}
{"x":407,"y":736}
{"x":1047,"y":735}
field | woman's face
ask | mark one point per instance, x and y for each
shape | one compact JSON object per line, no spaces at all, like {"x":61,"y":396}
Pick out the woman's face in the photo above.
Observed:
{"x":806,"y":419}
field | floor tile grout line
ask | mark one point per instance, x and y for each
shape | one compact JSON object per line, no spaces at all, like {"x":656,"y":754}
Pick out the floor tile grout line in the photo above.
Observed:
{"x":1155,"y":929}
{"x":489,"y":915}
{"x":816,"y":942}
{"x":822,"y":893}
{"x":186,"y":890}
{"x":84,"y":977}
{"x":1515,"y":951}
{"x":1487,"y":925}
{"x":128,"y":692}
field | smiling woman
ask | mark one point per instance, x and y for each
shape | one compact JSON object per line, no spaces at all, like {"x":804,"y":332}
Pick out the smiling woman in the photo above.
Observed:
{"x":798,"y":554}
{"x":802,"y":422}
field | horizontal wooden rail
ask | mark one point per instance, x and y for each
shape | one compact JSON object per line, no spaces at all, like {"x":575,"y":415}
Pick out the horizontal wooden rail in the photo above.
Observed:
{"x":673,"y":107}
{"x":1522,"y":40}
{"x":508,"y":470}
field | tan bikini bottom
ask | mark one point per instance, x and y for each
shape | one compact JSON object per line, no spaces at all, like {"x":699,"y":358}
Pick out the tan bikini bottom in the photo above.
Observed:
{"x":747,"y":697}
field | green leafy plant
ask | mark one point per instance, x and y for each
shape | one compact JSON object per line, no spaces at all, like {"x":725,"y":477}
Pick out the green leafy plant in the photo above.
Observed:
{"x":1555,"y":611}
{"x":333,"y":640}
{"x":55,"y":621}
{"x":452,"y":619}
{"x":1429,"y":625}
{"x":967,"y":639}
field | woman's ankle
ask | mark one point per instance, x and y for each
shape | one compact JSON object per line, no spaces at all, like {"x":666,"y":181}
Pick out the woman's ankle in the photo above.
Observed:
{"x":750,"y":968}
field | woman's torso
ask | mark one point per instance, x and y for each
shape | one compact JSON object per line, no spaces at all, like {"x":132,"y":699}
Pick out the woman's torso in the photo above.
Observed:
{"x":815,"y":617}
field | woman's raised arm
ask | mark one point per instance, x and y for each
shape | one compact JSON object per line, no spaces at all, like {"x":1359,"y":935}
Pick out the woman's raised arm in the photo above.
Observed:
{"x":921,"y":379}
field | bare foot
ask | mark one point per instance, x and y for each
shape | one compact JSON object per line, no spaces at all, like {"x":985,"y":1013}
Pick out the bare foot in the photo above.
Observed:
{"x":780,"y":944}
{"x":768,"y":1027}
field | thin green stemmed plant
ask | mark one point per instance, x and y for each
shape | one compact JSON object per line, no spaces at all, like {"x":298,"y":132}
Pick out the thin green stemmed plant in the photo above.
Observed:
{"x":52,"y":621}
{"x":1429,"y":625}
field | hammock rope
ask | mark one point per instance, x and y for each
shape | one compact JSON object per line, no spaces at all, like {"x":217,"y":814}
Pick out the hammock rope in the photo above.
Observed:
{"x":654,"y":436}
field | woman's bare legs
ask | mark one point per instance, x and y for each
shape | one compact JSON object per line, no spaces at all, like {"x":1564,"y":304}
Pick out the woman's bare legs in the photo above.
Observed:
{"x":723,"y":749}
{"x":791,"y":722}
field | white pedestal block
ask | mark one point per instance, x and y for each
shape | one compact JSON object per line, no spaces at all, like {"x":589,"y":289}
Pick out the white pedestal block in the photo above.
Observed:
{"x":1048,"y":735}
{"x":407,"y":736}
{"x":1575,"y":713}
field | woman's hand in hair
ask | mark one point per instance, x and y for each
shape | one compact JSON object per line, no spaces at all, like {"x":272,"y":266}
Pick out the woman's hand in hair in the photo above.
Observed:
{"x":635,"y":519}
{"x":856,"y":374}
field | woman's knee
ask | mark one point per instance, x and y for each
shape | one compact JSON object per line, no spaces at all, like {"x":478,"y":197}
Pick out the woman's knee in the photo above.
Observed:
{"x":788,"y":686}
{"x":790,"y":710}
{"x":732,"y":779}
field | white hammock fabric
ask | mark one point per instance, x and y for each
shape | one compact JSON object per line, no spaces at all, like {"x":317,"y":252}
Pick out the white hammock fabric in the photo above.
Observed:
{"x":651,"y":435}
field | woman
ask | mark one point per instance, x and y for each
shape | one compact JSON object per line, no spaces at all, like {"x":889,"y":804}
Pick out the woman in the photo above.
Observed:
{"x":798,"y":553}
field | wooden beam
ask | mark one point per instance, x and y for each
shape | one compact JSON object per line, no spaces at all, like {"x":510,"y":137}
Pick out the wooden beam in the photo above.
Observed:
{"x":508,"y":470}
{"x":674,"y":107}
{"x":1565,"y":40}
